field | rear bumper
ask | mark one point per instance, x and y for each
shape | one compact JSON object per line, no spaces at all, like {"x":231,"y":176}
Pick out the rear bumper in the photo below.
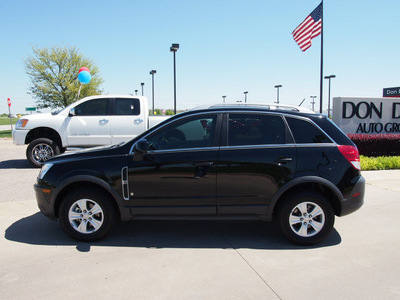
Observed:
{"x":355,"y":200}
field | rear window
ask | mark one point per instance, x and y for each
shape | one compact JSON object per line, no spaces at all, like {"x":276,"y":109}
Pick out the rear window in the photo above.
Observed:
{"x":127,"y":107}
{"x":305,"y":132}
{"x":254,"y":129}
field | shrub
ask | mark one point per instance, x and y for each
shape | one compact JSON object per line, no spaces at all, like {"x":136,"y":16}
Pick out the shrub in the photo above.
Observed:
{"x":377,"y":144}
{"x":380,"y":163}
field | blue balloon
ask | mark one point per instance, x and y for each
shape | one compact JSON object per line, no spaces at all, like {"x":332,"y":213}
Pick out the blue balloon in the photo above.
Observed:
{"x":84,"y":77}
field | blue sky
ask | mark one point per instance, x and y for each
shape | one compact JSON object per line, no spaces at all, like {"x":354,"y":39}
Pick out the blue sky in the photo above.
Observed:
{"x":226,"y":47}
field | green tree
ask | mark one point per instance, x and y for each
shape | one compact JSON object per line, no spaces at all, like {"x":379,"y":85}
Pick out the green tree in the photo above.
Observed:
{"x":54,"y":76}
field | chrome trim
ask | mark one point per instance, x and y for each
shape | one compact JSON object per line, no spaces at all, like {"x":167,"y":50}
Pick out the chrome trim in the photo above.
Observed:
{"x":124,"y":183}
{"x":316,"y":145}
{"x":184,"y":150}
{"x":258,"y":146}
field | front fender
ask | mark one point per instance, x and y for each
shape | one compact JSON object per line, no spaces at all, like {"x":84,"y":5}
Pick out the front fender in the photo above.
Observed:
{"x":93,"y":179}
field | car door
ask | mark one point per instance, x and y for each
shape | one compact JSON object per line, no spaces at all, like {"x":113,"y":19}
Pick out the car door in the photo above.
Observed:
{"x":89,"y":124}
{"x":177,"y":176}
{"x":257,"y":156}
{"x":128,"y":120}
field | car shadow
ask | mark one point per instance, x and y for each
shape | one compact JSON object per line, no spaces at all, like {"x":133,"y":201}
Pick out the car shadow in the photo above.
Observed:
{"x":38,"y":230}
{"x":16,"y":164}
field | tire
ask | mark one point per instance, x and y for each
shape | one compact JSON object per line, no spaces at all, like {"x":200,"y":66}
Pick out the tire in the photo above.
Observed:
{"x":87,"y":215}
{"x":306,"y":218}
{"x":40,"y":150}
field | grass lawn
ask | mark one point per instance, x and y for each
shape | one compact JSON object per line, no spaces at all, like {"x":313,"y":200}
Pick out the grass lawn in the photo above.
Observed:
{"x":5,"y":134}
{"x":6,"y":121}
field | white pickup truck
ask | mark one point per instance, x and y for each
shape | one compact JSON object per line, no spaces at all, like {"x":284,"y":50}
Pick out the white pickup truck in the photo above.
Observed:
{"x":89,"y":122}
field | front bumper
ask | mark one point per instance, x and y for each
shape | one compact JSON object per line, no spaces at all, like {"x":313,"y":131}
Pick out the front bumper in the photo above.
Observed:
{"x":19,"y":136}
{"x":355,"y":200}
{"x":43,"y":198}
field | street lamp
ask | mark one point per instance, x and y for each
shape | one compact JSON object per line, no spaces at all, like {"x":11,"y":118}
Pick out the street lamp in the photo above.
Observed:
{"x":173,"y":49}
{"x":329,"y":93}
{"x":142,"y":84}
{"x":152,"y":72}
{"x":136,"y":92}
{"x":223,"y":98}
{"x":245,"y":96}
{"x":313,"y":101}
{"x":277,"y":94}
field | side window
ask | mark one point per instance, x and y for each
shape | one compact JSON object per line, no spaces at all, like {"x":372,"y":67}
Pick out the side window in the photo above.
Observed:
{"x":96,"y":107}
{"x":196,"y":132}
{"x":253,"y":129}
{"x":127,"y":107}
{"x":306,"y":133}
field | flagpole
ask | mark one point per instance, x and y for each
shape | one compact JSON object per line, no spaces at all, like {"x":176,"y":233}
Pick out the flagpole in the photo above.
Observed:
{"x":322,"y":57}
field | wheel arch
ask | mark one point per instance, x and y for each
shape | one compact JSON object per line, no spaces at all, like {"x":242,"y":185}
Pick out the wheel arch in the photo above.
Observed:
{"x":87,"y":181}
{"x":44,"y":132}
{"x":309,"y":183}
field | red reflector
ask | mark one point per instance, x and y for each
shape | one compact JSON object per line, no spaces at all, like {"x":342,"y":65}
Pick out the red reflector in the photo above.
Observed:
{"x":351,"y":154}
{"x":356,"y":195}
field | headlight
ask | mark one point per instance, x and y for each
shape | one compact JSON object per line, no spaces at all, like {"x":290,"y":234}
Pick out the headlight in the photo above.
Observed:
{"x":21,"y":123}
{"x":44,"y":170}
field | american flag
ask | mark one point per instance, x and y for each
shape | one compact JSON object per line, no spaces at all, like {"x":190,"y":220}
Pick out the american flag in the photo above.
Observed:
{"x":309,"y":29}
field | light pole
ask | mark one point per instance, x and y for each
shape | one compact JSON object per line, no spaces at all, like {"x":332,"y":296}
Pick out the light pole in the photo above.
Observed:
{"x":152,"y":72}
{"x":329,"y":93}
{"x":277,"y":94}
{"x":136,"y":92}
{"x":245,"y":96}
{"x":313,"y":101}
{"x":223,"y":98}
{"x":142,"y":84}
{"x":173,"y":49}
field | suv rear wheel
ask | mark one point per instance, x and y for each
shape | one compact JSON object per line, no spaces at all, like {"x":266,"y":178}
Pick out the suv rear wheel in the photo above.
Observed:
{"x":306,"y":218}
{"x":87,"y":215}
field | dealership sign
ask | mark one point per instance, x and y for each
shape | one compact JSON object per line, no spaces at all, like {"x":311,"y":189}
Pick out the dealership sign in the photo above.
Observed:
{"x":391,"y":92}
{"x":367,"y":115}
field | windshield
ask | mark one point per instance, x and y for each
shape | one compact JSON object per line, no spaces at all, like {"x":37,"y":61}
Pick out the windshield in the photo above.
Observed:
{"x":58,"y":111}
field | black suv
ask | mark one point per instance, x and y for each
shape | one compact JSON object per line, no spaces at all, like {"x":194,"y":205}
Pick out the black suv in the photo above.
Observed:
{"x":243,"y":161}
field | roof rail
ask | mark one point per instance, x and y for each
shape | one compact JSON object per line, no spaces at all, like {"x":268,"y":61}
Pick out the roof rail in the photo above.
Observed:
{"x":266,"y":106}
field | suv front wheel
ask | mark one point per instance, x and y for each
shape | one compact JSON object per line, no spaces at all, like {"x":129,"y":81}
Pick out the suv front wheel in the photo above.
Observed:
{"x":306,"y":218}
{"x":87,"y":214}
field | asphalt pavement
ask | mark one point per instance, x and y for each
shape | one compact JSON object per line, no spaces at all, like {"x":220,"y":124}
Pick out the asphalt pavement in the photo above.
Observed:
{"x":193,"y":259}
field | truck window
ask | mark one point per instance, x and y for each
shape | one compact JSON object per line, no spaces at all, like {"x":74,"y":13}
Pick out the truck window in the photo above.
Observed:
{"x":96,"y":107}
{"x":127,"y":107}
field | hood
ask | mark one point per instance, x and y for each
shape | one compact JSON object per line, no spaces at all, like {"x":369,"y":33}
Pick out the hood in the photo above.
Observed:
{"x":40,"y":116}
{"x":91,"y":153}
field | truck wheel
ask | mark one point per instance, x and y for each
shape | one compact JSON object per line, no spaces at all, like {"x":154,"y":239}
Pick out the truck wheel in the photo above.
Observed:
{"x":87,"y":214}
{"x":40,"y":150}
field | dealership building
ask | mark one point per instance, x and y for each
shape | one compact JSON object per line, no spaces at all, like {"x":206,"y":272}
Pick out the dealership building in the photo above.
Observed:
{"x":368,"y":115}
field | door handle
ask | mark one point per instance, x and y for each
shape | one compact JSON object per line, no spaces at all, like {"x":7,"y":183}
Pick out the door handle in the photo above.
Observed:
{"x":104,"y":121}
{"x":282,"y":160}
{"x":203,"y":164}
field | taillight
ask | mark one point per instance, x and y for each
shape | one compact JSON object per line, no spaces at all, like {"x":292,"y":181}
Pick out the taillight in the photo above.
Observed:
{"x":351,"y":154}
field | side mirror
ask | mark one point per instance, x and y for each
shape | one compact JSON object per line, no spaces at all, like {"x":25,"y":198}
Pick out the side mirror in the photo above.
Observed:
{"x":72,"y":112}
{"x":142,"y":146}
{"x":140,"y":149}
